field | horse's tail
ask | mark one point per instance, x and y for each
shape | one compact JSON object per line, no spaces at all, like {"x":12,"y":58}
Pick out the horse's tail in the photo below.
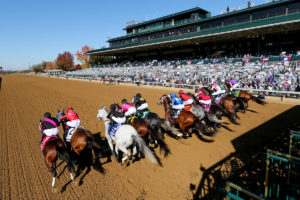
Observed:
{"x":165,"y":124}
{"x":257,"y":100}
{"x":162,"y":145}
{"x":145,"y":150}
{"x":63,"y":153}
{"x":213,"y":118}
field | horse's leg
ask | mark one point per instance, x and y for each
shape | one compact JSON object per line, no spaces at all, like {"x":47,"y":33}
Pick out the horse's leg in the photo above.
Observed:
{"x":109,"y":141}
{"x":54,"y":174}
{"x":124,"y":149}
{"x":70,"y":170}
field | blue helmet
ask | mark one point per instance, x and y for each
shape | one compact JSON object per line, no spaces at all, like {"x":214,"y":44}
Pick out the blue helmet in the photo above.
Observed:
{"x":172,"y":95}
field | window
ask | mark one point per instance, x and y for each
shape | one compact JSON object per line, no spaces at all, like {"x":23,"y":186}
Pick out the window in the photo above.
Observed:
{"x":205,"y":26}
{"x":242,"y":18}
{"x":216,"y":24}
{"x":194,"y":28}
{"x":182,"y":30}
{"x":294,"y":7}
{"x":143,"y":38}
{"x":277,"y":11}
{"x":229,"y":21}
{"x":259,"y":15}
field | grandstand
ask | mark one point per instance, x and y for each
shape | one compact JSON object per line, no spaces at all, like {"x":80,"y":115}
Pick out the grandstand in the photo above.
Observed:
{"x":267,"y":29}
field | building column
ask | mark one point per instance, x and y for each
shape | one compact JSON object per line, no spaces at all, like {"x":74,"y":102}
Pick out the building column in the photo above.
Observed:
{"x":258,"y":46}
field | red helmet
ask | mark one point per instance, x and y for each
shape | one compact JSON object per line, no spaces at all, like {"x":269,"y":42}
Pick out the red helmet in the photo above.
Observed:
{"x":69,"y":108}
{"x":180,"y":92}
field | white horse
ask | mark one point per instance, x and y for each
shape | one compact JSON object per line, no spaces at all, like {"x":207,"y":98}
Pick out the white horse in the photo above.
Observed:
{"x":125,"y":137}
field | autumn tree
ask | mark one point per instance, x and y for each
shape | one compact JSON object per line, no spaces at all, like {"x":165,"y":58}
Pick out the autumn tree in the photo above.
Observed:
{"x":50,"y":66}
{"x":81,"y":57}
{"x":65,"y":61}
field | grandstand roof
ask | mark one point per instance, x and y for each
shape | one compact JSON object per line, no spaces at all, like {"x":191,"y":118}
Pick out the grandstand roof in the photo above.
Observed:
{"x":269,"y":24}
{"x":196,"y":9}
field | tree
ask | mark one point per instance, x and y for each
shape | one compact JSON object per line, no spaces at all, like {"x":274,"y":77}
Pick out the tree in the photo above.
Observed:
{"x":65,"y":61}
{"x":37,"y":68}
{"x":77,"y":67}
{"x":50,"y":66}
{"x":81,"y":57}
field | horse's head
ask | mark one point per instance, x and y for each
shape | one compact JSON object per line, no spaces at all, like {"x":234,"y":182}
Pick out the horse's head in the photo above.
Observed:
{"x":102,"y":113}
{"x":162,"y":99}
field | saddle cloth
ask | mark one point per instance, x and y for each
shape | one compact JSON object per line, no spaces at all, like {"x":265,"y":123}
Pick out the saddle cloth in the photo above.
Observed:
{"x":70,"y":133}
{"x":113,"y":131}
{"x":188,"y":107}
{"x":175,"y":113}
{"x":46,"y":139}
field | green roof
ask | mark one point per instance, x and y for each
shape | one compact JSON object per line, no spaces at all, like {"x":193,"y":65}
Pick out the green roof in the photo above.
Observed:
{"x":233,"y":13}
{"x":167,"y":17}
{"x":247,"y":25}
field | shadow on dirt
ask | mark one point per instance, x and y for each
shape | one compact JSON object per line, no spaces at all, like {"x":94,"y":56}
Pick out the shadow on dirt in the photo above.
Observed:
{"x":245,"y":167}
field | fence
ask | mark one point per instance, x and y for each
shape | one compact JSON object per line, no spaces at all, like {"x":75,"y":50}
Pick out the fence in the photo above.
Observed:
{"x":236,"y":192}
{"x":282,"y":180}
{"x":294,"y":144}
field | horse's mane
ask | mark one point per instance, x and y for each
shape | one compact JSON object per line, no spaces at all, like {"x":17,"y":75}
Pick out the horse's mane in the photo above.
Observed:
{"x":168,"y":98}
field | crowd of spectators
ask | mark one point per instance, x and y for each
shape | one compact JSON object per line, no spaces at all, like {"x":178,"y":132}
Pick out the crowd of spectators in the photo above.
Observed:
{"x":279,"y":76}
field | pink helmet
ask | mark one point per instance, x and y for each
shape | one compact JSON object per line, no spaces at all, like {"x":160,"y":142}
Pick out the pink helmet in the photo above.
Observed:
{"x":180,"y":92}
{"x":69,"y":108}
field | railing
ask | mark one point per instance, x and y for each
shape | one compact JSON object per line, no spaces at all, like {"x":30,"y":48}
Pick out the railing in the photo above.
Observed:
{"x":236,"y":192}
{"x":282,"y":180}
{"x":294,"y":144}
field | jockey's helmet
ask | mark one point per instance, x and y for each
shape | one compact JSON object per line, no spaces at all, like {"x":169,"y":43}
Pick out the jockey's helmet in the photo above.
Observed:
{"x":124,"y":101}
{"x":69,"y":108}
{"x":172,"y":95}
{"x":180,"y":92}
{"x":47,"y":115}
{"x":138,"y":95}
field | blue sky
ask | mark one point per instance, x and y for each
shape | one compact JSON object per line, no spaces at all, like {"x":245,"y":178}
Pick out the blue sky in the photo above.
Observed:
{"x":32,"y":31}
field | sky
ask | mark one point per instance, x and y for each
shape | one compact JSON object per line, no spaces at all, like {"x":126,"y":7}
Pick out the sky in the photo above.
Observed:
{"x":33,"y":31}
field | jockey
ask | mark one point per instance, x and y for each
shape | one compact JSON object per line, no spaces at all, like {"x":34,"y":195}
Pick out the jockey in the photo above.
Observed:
{"x":203,"y":99}
{"x":49,"y":126}
{"x":216,"y":88}
{"x":73,"y":120}
{"x":233,"y":84}
{"x":187,"y":100}
{"x":177,"y":104}
{"x":127,"y":108}
{"x":140,"y":104}
{"x":117,"y":118}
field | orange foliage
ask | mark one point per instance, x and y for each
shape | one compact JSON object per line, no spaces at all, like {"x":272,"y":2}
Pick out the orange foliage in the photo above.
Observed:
{"x":50,"y":66}
{"x":80,"y":54}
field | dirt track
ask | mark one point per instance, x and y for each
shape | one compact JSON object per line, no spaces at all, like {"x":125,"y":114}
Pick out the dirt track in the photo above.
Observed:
{"x":23,"y":174}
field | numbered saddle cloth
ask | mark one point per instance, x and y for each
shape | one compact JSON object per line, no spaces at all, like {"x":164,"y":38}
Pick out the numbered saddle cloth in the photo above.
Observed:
{"x":143,"y":114}
{"x":45,"y":140}
{"x":218,"y":99}
{"x":188,"y":107}
{"x":129,"y":120}
{"x":206,"y":107}
{"x":71,"y":130}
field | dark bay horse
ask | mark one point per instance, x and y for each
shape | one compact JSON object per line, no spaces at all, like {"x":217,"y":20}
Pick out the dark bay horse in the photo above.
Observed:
{"x":186,"y":120}
{"x":149,"y":134}
{"x":82,"y":144}
{"x":53,"y":149}
{"x":227,"y":103}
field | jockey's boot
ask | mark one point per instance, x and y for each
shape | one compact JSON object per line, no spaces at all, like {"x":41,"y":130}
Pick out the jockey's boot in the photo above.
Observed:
{"x":43,"y":136}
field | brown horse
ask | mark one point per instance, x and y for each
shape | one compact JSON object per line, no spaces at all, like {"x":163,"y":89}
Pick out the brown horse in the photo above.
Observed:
{"x":245,"y":96}
{"x":186,"y":120}
{"x":53,"y":149}
{"x":148,"y":133}
{"x":82,"y":142}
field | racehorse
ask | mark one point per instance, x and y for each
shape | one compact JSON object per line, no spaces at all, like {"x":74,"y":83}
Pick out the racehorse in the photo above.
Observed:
{"x":53,"y":149}
{"x":227,"y":103}
{"x":157,"y":123}
{"x":82,"y":141}
{"x":149,"y":134}
{"x":125,"y":137}
{"x":244,"y":95}
{"x":186,"y":120}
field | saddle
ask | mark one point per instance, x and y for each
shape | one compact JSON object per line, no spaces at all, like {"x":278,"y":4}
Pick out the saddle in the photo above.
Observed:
{"x":236,"y":93}
{"x":45,"y":140}
{"x":175,"y":113}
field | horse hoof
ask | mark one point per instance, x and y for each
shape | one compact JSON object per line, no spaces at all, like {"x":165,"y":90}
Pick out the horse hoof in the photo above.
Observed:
{"x":75,"y":183}
{"x":54,"y":190}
